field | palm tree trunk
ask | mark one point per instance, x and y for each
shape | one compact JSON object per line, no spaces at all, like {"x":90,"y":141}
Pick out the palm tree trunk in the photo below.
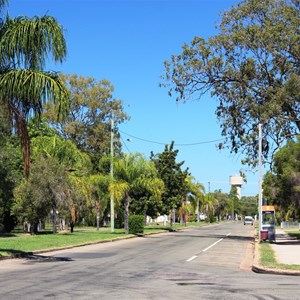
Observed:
{"x":24,"y":136}
{"x":126,"y":214}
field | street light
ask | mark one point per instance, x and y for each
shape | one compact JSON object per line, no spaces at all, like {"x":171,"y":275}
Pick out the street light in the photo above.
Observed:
{"x":112,"y":209}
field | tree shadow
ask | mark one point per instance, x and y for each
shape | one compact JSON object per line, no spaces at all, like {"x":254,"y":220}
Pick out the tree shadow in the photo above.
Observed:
{"x":31,"y":256}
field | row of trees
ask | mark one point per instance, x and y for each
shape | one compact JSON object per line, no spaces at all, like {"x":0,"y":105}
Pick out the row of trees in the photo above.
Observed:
{"x":63,"y":122}
{"x":65,"y":184}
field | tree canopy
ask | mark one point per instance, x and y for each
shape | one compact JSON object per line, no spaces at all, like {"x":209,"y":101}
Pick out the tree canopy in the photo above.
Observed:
{"x":282,"y":186}
{"x":132,"y":174}
{"x":88,"y":122}
{"x":252,"y":69}
{"x":174,"y":178}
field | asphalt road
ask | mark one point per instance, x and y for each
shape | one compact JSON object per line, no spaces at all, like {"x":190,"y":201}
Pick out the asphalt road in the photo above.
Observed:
{"x":212,"y":262}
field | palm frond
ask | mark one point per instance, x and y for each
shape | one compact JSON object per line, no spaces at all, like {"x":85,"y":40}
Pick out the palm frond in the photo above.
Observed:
{"x":30,"y":89}
{"x":27,"y":42}
{"x":118,"y":190}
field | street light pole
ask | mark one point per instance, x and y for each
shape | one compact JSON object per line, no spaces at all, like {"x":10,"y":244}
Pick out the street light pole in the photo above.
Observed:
{"x":260,"y":180}
{"x":112,"y":209}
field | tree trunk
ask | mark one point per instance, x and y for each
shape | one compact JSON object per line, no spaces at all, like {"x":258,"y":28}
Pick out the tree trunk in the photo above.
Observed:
{"x":34,"y":228}
{"x":126,"y":214}
{"x":97,"y":215}
{"x":172,"y":217}
{"x":23,"y":133}
{"x":54,"y":219}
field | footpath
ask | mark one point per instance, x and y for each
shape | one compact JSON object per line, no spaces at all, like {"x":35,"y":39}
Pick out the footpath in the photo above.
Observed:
{"x":287,"y":251}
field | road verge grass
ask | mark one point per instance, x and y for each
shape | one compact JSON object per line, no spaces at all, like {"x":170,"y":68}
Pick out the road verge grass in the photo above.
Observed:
{"x":25,"y":243}
{"x":268,"y":258}
{"x":20,"y":243}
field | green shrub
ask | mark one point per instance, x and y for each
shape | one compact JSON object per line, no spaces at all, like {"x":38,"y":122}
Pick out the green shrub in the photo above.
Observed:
{"x":136,"y":224}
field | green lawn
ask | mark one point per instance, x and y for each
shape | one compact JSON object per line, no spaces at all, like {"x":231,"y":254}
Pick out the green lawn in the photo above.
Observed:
{"x":18,"y":243}
{"x":28,"y":243}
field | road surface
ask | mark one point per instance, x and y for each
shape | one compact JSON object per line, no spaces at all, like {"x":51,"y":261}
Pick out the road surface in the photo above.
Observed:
{"x":212,"y":262}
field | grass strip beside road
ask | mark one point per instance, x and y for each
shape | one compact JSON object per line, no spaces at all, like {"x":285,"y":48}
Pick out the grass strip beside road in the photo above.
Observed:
{"x":25,"y":243}
{"x":268,"y":259}
{"x":16,"y":244}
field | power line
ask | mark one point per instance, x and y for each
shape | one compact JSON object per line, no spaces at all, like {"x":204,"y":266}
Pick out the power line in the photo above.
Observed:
{"x":160,"y":143}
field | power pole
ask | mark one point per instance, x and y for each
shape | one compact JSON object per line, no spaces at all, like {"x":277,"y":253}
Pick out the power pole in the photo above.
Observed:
{"x":260,"y":180}
{"x":112,"y":208}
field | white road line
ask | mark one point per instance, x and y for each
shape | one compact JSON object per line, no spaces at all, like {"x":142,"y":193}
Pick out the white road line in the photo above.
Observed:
{"x":218,"y":241}
{"x":193,"y":257}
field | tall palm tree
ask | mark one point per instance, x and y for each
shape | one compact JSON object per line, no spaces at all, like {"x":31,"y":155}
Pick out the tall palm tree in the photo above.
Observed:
{"x":130,"y":173}
{"x":25,"y":45}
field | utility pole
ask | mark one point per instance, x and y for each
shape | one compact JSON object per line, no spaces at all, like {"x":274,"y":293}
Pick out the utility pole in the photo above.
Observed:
{"x":112,"y":208}
{"x":260,"y":180}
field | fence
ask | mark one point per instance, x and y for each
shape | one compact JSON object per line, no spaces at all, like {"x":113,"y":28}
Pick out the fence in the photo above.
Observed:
{"x":290,"y":225}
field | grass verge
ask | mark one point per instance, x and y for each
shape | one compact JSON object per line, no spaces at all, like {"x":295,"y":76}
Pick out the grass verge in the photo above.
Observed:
{"x":268,"y":258}
{"x":20,"y":243}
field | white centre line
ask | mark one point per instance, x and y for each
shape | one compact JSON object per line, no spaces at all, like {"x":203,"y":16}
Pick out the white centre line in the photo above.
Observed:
{"x":218,"y":241}
{"x":193,"y":257}
{"x":215,"y":243}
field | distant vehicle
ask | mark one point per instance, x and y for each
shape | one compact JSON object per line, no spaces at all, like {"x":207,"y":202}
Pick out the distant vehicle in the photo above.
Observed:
{"x":248,"y":220}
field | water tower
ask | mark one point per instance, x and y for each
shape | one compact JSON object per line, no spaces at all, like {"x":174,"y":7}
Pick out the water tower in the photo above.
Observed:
{"x":237,"y":181}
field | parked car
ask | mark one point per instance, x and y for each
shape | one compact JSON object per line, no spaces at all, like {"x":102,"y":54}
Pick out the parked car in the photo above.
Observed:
{"x":248,"y":220}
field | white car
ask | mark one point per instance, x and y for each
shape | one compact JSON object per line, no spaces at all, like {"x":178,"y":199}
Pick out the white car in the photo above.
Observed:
{"x":248,"y":220}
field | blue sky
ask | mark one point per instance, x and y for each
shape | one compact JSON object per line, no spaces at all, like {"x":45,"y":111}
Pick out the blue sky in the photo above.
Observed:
{"x":127,"y":42}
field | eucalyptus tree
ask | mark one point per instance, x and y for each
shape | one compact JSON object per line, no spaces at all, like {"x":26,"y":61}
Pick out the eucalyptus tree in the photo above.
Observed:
{"x":44,"y":190}
{"x":88,"y":123}
{"x":249,"y":205}
{"x":251,"y":67}
{"x":25,"y":86}
{"x":77,"y":166}
{"x":132,"y":173}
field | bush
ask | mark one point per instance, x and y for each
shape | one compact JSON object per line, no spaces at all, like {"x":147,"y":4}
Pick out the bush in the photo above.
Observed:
{"x":136,"y":224}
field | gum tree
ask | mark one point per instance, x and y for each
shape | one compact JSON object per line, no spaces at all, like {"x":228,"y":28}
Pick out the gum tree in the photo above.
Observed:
{"x":252,"y":69}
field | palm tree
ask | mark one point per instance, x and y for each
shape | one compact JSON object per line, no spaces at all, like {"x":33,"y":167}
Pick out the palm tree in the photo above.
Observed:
{"x":130,"y":173}
{"x":98,"y":187}
{"x":196,"y":192}
{"x":25,"y":87}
